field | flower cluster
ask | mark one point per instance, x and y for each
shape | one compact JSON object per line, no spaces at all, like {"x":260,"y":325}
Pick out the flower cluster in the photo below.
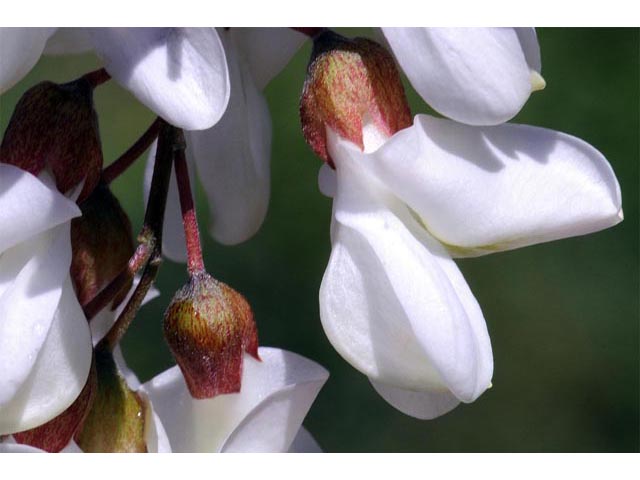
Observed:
{"x":410,"y":194}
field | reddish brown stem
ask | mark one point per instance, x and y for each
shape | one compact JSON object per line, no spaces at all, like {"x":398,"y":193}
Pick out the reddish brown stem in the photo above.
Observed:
{"x":150,"y":237}
{"x":309,"y":31}
{"x":195,"y":263}
{"x":120,"y":165}
{"x":117,"y":331}
{"x":97,"y":77}
{"x":169,"y":140}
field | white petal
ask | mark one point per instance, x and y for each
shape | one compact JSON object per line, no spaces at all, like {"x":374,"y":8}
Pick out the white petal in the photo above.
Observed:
{"x":304,"y":443}
{"x":481,"y":190}
{"x":12,"y":447}
{"x":155,"y":436}
{"x":174,"y":245}
{"x":265,"y":416}
{"x":327,"y":182}
{"x":478,"y":76}
{"x":274,"y":423}
{"x":422,"y":405}
{"x":392,"y":302}
{"x":233,"y":159}
{"x":67,"y":41}
{"x":29,"y":206}
{"x":28,"y":303}
{"x":530,"y":47}
{"x":60,"y":371}
{"x":179,"y":73}
{"x":20,"y":49}
{"x":267,"y":50}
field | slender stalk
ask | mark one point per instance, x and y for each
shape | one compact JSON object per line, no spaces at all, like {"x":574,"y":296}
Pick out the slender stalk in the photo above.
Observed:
{"x":154,"y":216}
{"x":97,"y":77}
{"x":125,"y":160}
{"x":117,"y":331}
{"x":168,"y":142}
{"x":195,"y":263}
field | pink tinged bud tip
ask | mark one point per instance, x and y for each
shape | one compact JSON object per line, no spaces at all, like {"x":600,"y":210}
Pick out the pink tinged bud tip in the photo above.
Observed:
{"x":350,"y":82}
{"x":208,"y":326}
{"x":56,"y":434}
{"x":55,"y":126}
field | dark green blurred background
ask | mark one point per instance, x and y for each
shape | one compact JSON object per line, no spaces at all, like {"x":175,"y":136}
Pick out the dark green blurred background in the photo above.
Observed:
{"x":563,"y":317}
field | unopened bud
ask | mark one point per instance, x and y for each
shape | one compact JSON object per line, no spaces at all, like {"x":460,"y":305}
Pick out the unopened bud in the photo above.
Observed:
{"x":55,"y":126}
{"x":101,"y":242}
{"x":350,"y":82}
{"x":54,"y":435}
{"x":208,"y":326}
{"x":116,"y":420}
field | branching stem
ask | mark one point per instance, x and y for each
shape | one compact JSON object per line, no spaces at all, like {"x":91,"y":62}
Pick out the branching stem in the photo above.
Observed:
{"x":97,"y":77}
{"x":169,"y":141}
{"x":120,"y":165}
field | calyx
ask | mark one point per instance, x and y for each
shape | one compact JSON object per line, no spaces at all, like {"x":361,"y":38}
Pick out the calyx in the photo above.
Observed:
{"x":208,"y":327}
{"x":350,"y":82}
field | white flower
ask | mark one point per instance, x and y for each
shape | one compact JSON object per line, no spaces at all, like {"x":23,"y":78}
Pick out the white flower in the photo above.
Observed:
{"x":392,"y":301}
{"x":265,"y":416}
{"x":45,"y":344}
{"x":20,"y":49}
{"x":232,"y":158}
{"x":179,"y":73}
{"x":155,"y":436}
{"x":478,"y":76}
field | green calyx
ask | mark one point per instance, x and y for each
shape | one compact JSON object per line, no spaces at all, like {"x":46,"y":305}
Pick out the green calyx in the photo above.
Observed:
{"x":116,"y":421}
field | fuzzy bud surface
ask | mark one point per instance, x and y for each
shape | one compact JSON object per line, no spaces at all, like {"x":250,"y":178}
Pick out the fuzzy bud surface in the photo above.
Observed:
{"x":102,"y":243}
{"x":208,"y":326}
{"x":55,"y":126}
{"x":350,"y":82}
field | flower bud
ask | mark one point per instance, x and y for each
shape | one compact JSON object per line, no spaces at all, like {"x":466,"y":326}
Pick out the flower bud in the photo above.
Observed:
{"x":55,"y":126}
{"x":349,"y":83}
{"x":208,"y":326}
{"x":101,"y":242}
{"x":54,"y":435}
{"x":116,"y":420}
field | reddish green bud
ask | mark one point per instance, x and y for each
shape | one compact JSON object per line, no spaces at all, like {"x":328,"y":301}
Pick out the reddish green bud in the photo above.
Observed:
{"x":101,"y":242}
{"x":56,"y":434}
{"x":350,"y":82}
{"x":55,"y":126}
{"x":116,"y":420}
{"x":208,"y":326}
